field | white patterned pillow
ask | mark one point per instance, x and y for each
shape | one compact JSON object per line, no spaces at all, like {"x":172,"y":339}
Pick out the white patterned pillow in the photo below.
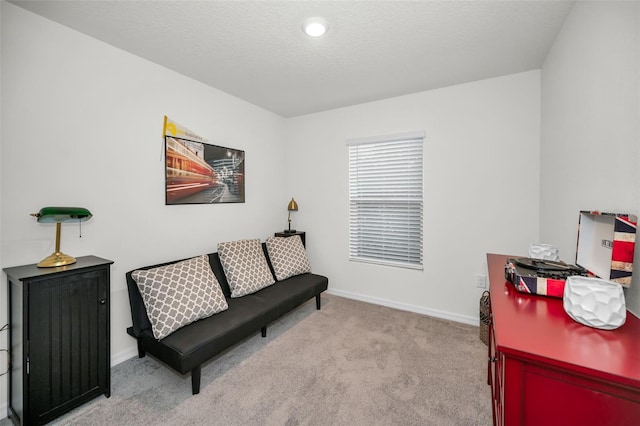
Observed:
{"x":287,"y":256}
{"x":245,"y":266}
{"x":178,"y":294}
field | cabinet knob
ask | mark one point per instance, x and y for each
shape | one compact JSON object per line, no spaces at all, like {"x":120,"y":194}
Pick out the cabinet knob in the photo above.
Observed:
{"x":103,"y":301}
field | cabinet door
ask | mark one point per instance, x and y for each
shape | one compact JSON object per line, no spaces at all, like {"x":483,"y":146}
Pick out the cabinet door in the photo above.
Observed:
{"x":67,"y":342}
{"x":579,"y":400}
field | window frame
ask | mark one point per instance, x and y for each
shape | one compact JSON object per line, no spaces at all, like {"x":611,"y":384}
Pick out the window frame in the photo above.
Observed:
{"x":377,"y":205}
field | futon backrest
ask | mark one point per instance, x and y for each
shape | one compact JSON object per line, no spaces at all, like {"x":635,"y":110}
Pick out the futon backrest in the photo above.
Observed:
{"x":138,"y":310}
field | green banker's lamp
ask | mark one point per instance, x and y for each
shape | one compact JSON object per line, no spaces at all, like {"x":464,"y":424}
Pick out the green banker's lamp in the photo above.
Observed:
{"x":292,"y":207}
{"x":59,"y":215}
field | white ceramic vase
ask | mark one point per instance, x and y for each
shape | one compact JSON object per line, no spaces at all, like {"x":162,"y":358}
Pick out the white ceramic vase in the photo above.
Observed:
{"x":594,"y":302}
{"x":544,"y":252}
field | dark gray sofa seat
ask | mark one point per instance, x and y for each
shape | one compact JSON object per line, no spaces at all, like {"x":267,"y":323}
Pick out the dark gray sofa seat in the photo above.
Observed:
{"x":187,"y":348}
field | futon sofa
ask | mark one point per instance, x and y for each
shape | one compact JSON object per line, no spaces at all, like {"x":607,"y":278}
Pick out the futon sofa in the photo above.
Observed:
{"x":240,"y":311}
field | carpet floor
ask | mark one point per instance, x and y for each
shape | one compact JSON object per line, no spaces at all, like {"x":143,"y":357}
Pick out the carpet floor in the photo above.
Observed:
{"x":351,"y":363}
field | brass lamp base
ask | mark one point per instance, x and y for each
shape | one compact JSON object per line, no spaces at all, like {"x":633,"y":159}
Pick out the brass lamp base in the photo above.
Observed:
{"x":56,"y":259}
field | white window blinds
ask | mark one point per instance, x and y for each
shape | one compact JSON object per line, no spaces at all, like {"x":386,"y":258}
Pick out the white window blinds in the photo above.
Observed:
{"x":385,"y":200}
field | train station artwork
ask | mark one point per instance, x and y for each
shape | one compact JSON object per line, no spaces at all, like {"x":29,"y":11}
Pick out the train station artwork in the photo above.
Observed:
{"x":201,"y":173}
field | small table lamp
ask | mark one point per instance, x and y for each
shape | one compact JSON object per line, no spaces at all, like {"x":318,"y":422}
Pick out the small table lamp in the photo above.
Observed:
{"x":58,"y":215}
{"x":292,"y":207}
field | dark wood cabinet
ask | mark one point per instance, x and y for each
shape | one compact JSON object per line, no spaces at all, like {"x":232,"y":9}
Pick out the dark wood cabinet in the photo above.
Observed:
{"x":546,"y":369}
{"x":59,"y":338}
{"x":290,"y":234}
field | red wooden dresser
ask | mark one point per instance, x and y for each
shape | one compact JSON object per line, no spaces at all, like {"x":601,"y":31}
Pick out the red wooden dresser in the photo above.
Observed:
{"x":546,"y":369}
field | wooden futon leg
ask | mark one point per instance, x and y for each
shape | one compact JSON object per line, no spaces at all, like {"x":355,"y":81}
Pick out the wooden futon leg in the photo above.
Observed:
{"x":195,"y":380}
{"x":318,"y":302}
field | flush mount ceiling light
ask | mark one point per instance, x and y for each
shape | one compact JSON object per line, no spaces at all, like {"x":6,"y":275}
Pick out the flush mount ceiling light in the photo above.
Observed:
{"x":315,"y":27}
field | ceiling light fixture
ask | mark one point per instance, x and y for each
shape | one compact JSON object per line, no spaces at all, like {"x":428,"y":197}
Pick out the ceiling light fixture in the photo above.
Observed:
{"x":315,"y":27}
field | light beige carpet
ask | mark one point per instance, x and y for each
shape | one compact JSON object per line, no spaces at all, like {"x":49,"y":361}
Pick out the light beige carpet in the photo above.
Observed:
{"x":351,"y":363}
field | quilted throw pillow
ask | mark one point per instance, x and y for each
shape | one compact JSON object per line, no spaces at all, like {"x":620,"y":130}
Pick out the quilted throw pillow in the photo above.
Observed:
{"x":179,"y":294}
{"x":244,"y":266}
{"x":288,"y":256}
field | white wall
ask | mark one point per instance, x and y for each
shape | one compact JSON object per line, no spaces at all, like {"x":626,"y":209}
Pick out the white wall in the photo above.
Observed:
{"x":481,"y":148}
{"x":82,"y":125}
{"x":590,"y":148}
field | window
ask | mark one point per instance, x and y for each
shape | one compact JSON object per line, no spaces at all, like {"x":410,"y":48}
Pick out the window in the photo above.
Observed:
{"x":385,"y":200}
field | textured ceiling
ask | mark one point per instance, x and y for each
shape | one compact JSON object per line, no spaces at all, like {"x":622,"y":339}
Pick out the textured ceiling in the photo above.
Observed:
{"x":256,"y":51}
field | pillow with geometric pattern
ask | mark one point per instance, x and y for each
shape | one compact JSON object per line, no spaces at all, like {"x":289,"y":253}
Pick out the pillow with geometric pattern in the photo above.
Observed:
{"x":245,"y":266}
{"x":178,"y":294}
{"x":288,"y":256}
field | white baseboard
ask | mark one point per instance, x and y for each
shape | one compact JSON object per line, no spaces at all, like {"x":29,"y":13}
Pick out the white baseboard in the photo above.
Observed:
{"x":124,"y":355}
{"x":407,"y":307}
{"x":129,"y":353}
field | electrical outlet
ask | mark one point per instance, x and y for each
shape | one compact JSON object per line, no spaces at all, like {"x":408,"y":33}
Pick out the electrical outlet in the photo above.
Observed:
{"x":481,"y":281}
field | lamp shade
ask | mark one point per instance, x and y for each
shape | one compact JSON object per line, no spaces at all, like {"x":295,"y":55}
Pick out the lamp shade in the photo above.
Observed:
{"x":59,"y":215}
{"x":292,"y":207}
{"x":62,"y":214}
